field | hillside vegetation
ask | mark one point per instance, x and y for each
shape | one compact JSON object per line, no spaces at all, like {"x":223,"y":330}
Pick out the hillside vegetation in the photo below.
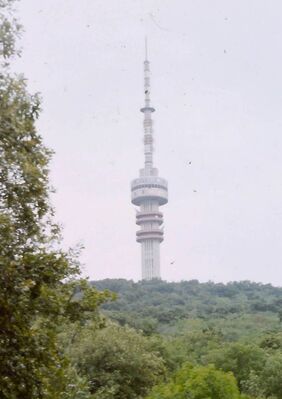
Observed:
{"x":237,"y":309}
{"x":216,"y":340}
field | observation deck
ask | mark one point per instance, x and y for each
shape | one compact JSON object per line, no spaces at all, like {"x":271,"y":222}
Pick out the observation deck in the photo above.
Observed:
{"x":147,"y":234}
{"x":149,"y":187}
{"x":150,"y":217}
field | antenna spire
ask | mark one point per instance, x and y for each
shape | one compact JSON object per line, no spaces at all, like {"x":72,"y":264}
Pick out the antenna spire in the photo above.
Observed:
{"x":147,"y":107}
{"x":146,"y":48}
{"x":147,"y":110}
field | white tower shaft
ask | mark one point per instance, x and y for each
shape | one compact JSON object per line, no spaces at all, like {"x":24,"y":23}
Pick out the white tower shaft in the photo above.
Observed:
{"x":149,"y":192}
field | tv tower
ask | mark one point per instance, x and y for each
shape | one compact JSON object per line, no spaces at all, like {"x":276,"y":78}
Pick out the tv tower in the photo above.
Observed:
{"x":149,"y":192}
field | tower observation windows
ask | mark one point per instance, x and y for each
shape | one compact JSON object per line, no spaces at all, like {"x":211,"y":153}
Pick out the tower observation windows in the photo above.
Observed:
{"x":148,"y":186}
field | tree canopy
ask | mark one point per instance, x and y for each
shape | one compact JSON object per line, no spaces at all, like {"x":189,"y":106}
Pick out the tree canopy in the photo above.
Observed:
{"x":118,"y":361}
{"x":36,"y":287}
{"x":198,"y":383}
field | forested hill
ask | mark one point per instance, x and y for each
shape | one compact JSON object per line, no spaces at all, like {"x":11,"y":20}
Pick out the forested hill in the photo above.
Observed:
{"x":237,"y":308}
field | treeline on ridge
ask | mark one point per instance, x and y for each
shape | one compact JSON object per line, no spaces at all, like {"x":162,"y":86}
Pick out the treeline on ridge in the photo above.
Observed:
{"x":159,"y":306}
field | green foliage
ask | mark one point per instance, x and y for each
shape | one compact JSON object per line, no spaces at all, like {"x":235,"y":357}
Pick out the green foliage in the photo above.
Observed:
{"x":34,"y":301}
{"x":272,"y":341}
{"x":215,"y":325}
{"x":271,"y":377}
{"x":241,"y":359}
{"x":236,"y":309}
{"x":9,"y":31}
{"x":75,"y":386}
{"x":117,"y":361}
{"x":198,"y":383}
{"x":193,"y":346}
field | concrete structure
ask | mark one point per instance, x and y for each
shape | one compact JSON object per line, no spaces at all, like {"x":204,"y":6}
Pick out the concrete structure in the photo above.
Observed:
{"x":149,"y":192}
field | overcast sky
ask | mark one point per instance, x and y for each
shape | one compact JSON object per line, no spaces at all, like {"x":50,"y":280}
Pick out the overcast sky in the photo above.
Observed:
{"x":217,"y":89}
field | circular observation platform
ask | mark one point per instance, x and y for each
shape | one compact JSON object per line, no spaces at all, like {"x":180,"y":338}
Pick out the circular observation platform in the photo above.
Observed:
{"x":154,"y":234}
{"x":149,"y":187}
{"x":149,"y":216}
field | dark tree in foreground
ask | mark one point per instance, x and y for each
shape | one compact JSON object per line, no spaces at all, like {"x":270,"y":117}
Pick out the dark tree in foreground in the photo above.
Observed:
{"x":33,"y":299}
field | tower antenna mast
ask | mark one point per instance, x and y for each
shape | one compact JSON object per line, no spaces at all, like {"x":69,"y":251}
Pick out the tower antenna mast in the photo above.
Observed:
{"x":146,"y":48}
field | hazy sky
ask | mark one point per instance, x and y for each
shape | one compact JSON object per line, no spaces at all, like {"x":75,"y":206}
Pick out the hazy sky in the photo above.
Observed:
{"x":217,"y":88}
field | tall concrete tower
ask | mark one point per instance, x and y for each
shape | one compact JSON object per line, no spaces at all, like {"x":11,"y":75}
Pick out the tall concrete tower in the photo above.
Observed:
{"x":149,"y":192}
